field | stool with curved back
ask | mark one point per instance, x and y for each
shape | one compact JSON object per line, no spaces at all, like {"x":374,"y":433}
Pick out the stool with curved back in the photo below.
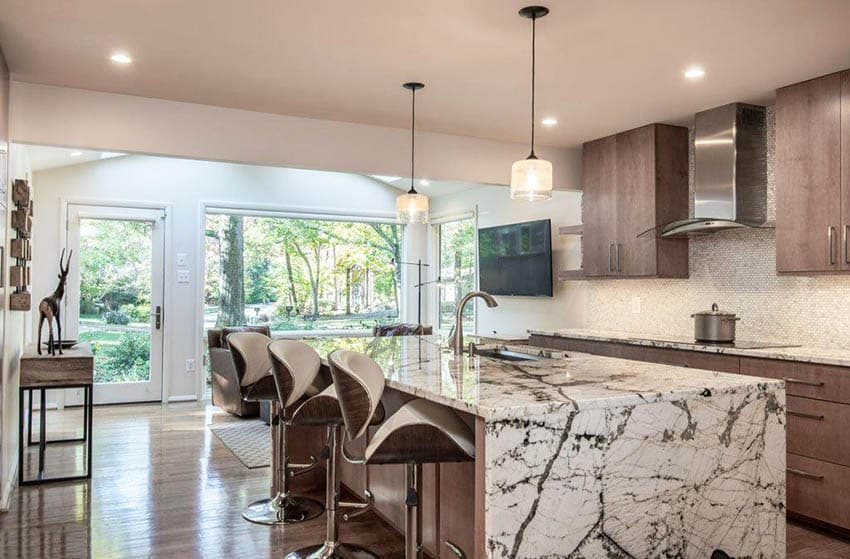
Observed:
{"x":324,"y":409}
{"x":420,"y":432}
{"x":257,"y":383}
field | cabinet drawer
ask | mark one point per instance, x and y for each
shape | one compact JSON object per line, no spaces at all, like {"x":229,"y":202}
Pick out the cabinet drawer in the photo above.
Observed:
{"x":817,"y":429}
{"x":819,"y":490}
{"x":821,"y":382}
{"x":607,"y":349}
{"x":682,"y":358}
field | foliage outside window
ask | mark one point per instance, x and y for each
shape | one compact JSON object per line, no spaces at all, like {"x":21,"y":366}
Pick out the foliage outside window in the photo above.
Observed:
{"x":300,"y":274}
{"x":457,"y":271}
{"x":115,"y":297}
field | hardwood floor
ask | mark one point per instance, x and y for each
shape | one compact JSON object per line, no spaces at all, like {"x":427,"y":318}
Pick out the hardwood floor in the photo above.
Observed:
{"x":164,"y":486}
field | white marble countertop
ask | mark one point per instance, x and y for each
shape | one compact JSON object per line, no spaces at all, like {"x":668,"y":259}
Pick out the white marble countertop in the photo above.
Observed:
{"x":820,"y":356}
{"x":495,"y":389}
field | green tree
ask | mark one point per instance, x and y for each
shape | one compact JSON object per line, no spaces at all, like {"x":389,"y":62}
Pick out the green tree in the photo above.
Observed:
{"x":231,"y":311}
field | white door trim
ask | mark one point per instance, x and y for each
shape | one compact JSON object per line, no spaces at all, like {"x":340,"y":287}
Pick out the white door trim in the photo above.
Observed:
{"x":168,"y":284}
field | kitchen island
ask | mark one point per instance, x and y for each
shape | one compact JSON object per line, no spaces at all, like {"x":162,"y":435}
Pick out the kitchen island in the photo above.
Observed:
{"x":587,"y":456}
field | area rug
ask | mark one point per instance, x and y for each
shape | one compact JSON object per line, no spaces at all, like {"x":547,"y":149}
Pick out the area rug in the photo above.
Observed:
{"x":249,"y":441}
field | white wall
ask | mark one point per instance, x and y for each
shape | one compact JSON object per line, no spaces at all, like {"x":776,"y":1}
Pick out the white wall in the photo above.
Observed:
{"x":515,"y":315}
{"x":184,"y":184}
{"x":78,"y":118}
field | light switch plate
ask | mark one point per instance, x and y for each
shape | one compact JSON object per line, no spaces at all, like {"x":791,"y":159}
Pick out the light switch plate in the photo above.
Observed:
{"x":182,"y":259}
{"x":190,"y":365}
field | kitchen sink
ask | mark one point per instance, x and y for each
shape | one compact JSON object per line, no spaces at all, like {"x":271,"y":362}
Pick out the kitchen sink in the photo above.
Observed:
{"x":508,"y":355}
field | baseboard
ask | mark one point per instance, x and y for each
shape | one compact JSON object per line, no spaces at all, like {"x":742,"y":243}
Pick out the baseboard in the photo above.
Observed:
{"x":9,"y":489}
{"x":183,"y":398}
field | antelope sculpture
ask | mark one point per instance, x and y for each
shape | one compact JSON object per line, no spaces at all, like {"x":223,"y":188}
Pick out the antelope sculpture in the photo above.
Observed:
{"x":49,"y":308}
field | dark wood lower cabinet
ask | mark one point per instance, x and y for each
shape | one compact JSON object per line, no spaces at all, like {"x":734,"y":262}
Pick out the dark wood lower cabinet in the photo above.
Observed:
{"x":818,"y":418}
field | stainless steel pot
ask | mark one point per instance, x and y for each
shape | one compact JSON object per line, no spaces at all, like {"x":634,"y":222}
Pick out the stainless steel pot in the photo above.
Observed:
{"x":714,"y":326}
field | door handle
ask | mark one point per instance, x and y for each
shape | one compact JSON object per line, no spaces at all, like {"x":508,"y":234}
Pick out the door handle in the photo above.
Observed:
{"x":806,"y":415}
{"x":611,"y":258}
{"x":157,"y":316}
{"x":831,"y":239}
{"x":619,"y":259}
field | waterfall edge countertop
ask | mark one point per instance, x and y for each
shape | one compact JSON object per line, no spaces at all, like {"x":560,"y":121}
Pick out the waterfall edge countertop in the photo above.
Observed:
{"x":424,"y":366}
{"x":800,"y":354}
{"x":589,"y":456}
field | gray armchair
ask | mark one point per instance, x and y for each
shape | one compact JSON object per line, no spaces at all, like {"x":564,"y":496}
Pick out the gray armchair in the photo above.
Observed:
{"x":225,"y":386}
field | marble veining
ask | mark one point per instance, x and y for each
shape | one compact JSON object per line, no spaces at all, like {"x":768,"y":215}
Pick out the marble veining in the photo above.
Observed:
{"x":664,"y":479}
{"x":493,"y":389}
{"x":814,"y":355}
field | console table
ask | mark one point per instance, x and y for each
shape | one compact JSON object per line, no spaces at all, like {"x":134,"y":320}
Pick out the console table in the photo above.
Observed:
{"x":73,"y":369}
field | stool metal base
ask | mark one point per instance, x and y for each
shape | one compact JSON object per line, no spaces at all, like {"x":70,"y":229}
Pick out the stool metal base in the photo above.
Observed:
{"x":332,"y":550}
{"x":282,"y":510}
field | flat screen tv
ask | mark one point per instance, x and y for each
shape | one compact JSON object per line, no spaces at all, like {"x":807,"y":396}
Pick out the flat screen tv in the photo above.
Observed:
{"x":516,"y":259}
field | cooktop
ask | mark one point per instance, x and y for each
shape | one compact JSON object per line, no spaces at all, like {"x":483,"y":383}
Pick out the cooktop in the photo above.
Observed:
{"x":740,"y":344}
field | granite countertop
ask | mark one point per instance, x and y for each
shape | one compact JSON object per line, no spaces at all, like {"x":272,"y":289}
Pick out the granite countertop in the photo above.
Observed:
{"x":802,"y":354}
{"x":496,"y":389}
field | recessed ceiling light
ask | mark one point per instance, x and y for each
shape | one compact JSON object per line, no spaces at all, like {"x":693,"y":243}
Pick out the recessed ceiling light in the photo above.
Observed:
{"x":424,"y":182}
{"x":120,"y":58}
{"x":76,"y":153}
{"x":694,"y":73}
{"x":549,"y":121}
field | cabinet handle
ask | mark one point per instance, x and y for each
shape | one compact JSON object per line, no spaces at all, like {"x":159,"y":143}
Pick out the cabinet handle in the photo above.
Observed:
{"x":619,"y":259}
{"x":611,"y":258}
{"x":831,"y":239}
{"x":846,"y":248}
{"x":806,"y":382}
{"x":806,"y":415}
{"x":802,"y":473}
{"x":455,"y":549}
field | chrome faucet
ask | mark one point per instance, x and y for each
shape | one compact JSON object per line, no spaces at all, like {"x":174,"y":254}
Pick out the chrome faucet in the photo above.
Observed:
{"x":456,"y":339}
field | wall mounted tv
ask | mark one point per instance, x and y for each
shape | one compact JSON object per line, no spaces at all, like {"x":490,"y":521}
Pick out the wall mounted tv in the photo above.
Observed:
{"x":516,"y":259}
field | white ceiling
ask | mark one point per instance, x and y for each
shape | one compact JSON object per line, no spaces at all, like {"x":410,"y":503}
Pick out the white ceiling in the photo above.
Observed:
{"x":46,"y":157}
{"x":603,"y":65}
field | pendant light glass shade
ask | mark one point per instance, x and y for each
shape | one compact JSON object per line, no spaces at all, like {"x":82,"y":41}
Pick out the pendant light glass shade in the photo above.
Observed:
{"x":531,"y":179}
{"x":412,"y":207}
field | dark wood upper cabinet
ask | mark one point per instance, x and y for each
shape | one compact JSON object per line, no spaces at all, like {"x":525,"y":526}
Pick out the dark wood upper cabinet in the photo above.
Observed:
{"x":632,"y":182}
{"x":808,"y":176}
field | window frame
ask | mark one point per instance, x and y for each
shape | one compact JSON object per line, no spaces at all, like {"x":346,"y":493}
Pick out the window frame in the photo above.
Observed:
{"x":436,"y":257}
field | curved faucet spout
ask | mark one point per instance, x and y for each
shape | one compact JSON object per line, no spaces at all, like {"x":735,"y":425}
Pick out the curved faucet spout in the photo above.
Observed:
{"x":457,"y":339}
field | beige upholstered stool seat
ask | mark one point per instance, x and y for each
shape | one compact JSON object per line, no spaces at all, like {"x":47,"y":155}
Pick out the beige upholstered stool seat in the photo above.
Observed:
{"x":424,"y":432}
{"x":253,"y":362}
{"x":419,"y":432}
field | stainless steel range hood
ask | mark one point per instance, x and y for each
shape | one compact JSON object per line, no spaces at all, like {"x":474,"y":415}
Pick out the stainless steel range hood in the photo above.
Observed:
{"x":730,"y":171}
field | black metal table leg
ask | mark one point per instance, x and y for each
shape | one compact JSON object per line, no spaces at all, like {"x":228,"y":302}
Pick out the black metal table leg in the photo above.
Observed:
{"x":21,"y":432}
{"x":89,"y":432}
{"x":29,"y":419}
{"x":42,"y":433}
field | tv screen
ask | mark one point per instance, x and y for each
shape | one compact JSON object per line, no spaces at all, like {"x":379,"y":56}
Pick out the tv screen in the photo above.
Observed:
{"x":516,"y":259}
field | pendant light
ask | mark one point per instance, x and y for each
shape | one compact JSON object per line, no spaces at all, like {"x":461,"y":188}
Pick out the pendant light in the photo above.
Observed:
{"x":412,"y":207}
{"x":531,"y":178}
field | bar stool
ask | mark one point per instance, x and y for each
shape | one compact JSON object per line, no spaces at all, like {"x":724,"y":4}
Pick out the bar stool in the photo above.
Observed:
{"x":420,"y":432}
{"x":257,"y":383}
{"x":324,"y":409}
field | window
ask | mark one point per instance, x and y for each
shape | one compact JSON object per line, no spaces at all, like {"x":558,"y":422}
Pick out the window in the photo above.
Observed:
{"x":456,"y":242}
{"x":300,"y":274}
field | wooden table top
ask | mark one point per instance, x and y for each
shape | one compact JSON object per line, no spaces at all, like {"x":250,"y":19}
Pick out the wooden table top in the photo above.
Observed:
{"x":74,"y":366}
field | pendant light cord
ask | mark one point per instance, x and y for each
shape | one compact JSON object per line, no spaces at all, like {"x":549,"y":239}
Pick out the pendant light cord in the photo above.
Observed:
{"x":533,"y":72}
{"x":412,"y":140}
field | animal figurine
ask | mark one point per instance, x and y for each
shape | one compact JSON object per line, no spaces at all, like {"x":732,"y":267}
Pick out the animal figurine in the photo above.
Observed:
{"x":49,"y":308}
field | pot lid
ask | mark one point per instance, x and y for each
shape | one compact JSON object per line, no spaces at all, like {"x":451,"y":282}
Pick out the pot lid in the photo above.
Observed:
{"x":715,"y":311}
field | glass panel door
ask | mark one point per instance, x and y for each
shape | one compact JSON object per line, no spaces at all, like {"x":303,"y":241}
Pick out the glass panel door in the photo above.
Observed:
{"x":115,"y":296}
{"x":457,"y":271}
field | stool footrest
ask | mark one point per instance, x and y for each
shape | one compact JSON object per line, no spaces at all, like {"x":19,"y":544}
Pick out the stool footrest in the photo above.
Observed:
{"x":294,"y":470}
{"x":359,"y":508}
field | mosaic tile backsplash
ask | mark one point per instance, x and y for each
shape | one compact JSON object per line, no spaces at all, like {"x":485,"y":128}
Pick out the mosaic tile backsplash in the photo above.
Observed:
{"x":737,"y":270}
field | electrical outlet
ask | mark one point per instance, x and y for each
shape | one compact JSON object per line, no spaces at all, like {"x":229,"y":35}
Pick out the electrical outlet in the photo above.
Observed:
{"x":635,"y":305}
{"x":190,"y":365}
{"x":182,"y":276}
